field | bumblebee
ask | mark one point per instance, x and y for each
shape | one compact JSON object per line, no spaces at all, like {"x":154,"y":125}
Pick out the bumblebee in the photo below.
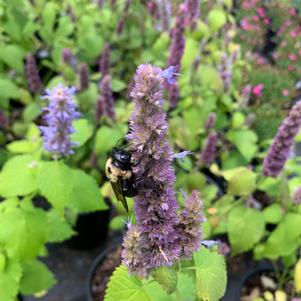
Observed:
{"x":120,"y":173}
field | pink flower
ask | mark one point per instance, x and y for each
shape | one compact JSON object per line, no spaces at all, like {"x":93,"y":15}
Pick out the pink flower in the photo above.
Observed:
{"x":255,"y":18}
{"x":261,"y":12}
{"x":290,"y":68}
{"x":266,"y":21}
{"x":292,"y":57}
{"x":293,"y":34}
{"x":285,"y":92}
{"x":292,"y":11}
{"x":245,"y":25}
{"x":257,"y":90}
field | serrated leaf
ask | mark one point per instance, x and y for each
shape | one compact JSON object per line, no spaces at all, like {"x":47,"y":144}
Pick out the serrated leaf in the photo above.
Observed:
{"x":22,"y":233}
{"x":211,"y":276}
{"x":36,"y":277}
{"x":9,"y":281}
{"x":18,"y":176}
{"x":123,"y":287}
{"x":85,"y":195}
{"x":55,"y":183}
{"x":166,"y":277}
{"x":248,"y":221}
{"x":83,"y":131}
{"x":58,"y":228}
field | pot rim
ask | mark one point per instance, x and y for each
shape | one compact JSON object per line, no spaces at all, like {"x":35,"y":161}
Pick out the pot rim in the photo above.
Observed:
{"x":96,"y":262}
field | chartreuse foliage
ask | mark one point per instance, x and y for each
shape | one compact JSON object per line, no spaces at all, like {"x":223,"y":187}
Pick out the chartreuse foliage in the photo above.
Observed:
{"x":202,"y":278}
{"x":24,"y":228}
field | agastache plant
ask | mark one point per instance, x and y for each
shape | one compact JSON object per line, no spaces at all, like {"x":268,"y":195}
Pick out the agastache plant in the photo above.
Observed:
{"x":83,"y":77}
{"x":176,"y":51}
{"x":209,"y":151}
{"x":59,"y":114}
{"x":104,"y":61}
{"x":193,"y":13}
{"x":32,"y":74}
{"x":159,"y":236}
{"x":105,"y":103}
{"x":280,"y":148}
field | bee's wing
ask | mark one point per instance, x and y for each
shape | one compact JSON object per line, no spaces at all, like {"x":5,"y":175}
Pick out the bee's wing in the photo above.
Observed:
{"x":117,"y":187}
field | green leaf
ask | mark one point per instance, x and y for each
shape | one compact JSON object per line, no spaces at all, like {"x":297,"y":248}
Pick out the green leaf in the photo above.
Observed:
{"x":186,"y":286}
{"x":23,"y":233}
{"x":118,"y":85}
{"x":8,"y":89}
{"x":83,"y":131}
{"x":211,"y":276}
{"x":166,"y":277}
{"x":245,"y":141}
{"x":123,"y":287}
{"x":106,"y":139}
{"x":9,"y":281}
{"x":285,"y":239}
{"x":55,"y":183}
{"x":18,"y":176}
{"x":85,"y":195}
{"x":273,"y":213}
{"x":210,"y":79}
{"x":21,"y":147}
{"x":58,"y":228}
{"x":13,"y":56}
{"x":245,"y":228}
{"x":242,"y":183}
{"x":216,"y":19}
{"x":36,"y":278}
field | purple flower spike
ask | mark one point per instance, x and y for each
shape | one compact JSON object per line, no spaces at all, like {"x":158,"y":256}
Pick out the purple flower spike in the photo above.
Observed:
{"x":193,"y":12}
{"x":189,"y":228}
{"x":106,"y":101}
{"x":210,"y":122}
{"x":209,"y":151}
{"x":104,"y":61}
{"x":156,"y":238}
{"x":279,"y":151}
{"x":169,"y":74}
{"x":32,"y":73}
{"x":60,"y":113}
{"x":176,"y":51}
{"x":83,"y":77}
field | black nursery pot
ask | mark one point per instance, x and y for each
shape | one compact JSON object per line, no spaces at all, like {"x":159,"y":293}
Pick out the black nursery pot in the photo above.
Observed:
{"x":92,"y":230}
{"x":114,"y":244}
{"x":237,"y":280}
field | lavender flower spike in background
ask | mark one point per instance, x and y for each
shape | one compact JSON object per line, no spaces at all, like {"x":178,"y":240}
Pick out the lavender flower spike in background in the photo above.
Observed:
{"x":209,"y":151}
{"x":155,"y":242}
{"x":283,"y":141}
{"x":32,"y":74}
{"x":60,"y":113}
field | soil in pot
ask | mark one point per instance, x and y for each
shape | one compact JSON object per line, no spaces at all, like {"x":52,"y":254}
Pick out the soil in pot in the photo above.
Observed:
{"x":103,"y":273}
{"x":262,"y":284}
